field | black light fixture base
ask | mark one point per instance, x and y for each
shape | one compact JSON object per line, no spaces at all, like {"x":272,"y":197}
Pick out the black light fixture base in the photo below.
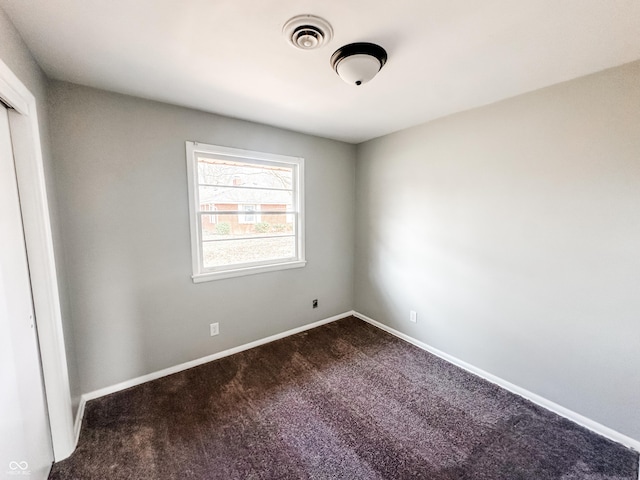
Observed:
{"x":359,"y":48}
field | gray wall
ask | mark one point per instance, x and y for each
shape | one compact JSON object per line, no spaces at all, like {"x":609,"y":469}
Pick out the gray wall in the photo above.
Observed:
{"x":121,"y":179}
{"x":15,"y":54}
{"x":514,"y":231}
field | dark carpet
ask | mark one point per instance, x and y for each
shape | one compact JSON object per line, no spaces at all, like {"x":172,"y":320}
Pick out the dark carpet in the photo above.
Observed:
{"x":344,"y":401}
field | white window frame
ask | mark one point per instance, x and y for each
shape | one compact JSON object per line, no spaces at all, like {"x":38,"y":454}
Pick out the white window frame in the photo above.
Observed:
{"x":201,"y":274}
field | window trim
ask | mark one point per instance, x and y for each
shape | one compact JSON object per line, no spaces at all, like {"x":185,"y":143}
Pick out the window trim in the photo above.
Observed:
{"x":199,"y":273}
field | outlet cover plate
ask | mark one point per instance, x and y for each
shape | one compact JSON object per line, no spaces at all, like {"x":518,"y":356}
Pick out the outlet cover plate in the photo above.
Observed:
{"x":214,"y":329}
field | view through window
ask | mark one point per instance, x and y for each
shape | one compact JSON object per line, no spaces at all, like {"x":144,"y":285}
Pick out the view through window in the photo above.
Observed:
{"x":246,"y":211}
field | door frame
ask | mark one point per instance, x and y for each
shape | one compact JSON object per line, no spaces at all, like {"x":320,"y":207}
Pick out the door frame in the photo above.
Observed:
{"x":25,"y":138}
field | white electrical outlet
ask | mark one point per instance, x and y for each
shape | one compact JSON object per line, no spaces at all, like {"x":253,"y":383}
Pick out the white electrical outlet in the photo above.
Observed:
{"x":413,"y":316}
{"x":214,"y":329}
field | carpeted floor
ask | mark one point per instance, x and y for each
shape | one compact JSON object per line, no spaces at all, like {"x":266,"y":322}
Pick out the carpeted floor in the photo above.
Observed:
{"x":343,"y":401}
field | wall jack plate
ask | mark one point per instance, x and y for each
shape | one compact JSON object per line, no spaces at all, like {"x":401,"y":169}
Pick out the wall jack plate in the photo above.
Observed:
{"x":214,"y":329}
{"x":413,"y":316}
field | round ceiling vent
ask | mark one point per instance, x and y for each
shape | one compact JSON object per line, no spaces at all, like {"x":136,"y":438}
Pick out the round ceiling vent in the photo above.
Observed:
{"x":307,"y":32}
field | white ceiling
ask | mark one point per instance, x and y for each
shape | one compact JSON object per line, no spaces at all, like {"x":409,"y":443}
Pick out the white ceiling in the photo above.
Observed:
{"x":229,"y":56}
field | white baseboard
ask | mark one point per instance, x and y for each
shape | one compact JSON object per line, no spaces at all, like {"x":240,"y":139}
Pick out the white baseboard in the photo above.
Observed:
{"x":77,"y":425}
{"x":532,"y":397}
{"x":193,"y":363}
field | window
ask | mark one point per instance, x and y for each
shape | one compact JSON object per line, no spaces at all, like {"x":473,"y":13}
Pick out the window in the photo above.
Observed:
{"x":249,"y":215}
{"x":209,"y":207}
{"x":258,"y":202}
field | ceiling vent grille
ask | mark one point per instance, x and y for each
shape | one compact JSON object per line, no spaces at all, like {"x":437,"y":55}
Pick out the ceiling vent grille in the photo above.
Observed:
{"x":307,"y":32}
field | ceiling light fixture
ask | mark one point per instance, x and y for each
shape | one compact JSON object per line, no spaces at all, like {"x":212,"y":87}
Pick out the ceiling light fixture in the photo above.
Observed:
{"x":357,"y":63}
{"x":307,"y":31}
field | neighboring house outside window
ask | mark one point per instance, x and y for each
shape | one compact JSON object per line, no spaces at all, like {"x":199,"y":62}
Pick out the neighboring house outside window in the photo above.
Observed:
{"x":258,"y":200}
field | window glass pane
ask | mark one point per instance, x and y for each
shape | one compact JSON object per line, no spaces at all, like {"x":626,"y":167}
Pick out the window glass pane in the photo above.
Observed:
{"x":225,"y":198}
{"x":220,"y":253}
{"x":227,"y":226}
{"x":213,"y":171}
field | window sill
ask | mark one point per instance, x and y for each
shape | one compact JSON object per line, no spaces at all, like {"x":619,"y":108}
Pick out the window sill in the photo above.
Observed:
{"x":240,"y":272}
